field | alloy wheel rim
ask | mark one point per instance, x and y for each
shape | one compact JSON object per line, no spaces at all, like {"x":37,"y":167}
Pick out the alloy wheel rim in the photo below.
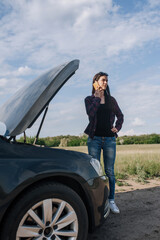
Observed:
{"x":50,"y":219}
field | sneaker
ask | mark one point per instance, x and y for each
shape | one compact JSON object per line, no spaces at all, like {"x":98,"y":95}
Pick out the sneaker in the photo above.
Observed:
{"x":113,"y":207}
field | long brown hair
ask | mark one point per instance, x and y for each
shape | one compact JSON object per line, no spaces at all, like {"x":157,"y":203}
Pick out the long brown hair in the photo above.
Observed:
{"x":106,"y":92}
{"x":96,"y":78}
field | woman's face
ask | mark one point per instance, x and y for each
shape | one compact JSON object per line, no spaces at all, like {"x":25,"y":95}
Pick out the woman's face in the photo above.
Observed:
{"x":103,"y":82}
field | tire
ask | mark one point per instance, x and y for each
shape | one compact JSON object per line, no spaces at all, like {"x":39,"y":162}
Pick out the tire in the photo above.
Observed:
{"x":46,"y":212}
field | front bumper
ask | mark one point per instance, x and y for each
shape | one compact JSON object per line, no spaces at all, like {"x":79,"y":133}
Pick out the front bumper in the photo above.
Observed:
{"x":98,"y":201}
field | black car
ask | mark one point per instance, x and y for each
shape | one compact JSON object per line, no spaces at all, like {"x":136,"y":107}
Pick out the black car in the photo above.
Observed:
{"x":46,"y":193}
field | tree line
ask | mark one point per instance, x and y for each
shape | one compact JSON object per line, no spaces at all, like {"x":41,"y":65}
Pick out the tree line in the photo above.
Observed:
{"x":68,"y":140}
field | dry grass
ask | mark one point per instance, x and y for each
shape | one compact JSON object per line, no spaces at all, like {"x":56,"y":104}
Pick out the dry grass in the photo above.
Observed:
{"x":142,"y":160}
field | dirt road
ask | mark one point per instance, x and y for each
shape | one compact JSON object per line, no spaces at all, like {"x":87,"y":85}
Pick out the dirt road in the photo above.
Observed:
{"x":139,"y":218}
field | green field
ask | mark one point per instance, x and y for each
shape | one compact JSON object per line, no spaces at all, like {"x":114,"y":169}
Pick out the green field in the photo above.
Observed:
{"x":141,"y":160}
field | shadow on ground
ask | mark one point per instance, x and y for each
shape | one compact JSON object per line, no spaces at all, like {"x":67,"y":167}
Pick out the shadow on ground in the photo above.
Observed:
{"x":139,"y":218}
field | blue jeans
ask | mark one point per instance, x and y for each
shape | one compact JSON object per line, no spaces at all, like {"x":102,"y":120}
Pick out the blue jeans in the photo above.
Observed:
{"x":108,"y":144}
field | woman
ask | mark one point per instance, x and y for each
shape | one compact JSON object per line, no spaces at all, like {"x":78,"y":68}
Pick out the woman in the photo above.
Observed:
{"x":102,"y":108}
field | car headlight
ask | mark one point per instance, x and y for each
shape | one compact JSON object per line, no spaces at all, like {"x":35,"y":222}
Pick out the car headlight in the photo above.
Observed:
{"x":97,"y":166}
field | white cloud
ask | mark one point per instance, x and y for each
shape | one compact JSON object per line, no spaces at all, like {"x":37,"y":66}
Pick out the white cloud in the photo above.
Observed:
{"x":36,"y":35}
{"x":138,"y":122}
{"x":130,"y":132}
{"x":23,"y":71}
{"x":72,"y":28}
{"x":140,"y":101}
{"x":154,"y":3}
{"x":63,"y":118}
{"x":3,"y":82}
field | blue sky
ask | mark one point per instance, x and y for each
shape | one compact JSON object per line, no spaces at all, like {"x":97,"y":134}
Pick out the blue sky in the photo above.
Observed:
{"x":120,"y":37}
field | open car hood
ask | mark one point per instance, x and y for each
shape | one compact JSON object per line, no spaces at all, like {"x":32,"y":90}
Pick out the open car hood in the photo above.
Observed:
{"x":22,"y":110}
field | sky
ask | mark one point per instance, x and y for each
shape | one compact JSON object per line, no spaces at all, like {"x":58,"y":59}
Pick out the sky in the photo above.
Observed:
{"x":120,"y":37}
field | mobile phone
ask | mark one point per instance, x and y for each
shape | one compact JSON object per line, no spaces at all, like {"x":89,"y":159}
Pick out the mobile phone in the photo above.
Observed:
{"x":96,"y":85}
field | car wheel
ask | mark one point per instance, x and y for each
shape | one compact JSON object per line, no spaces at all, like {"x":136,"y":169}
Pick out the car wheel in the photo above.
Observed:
{"x":49,"y":211}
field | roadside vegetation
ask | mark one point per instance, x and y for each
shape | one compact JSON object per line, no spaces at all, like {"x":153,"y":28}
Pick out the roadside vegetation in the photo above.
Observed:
{"x":141,"y":162}
{"x":69,"y":140}
{"x":137,"y":156}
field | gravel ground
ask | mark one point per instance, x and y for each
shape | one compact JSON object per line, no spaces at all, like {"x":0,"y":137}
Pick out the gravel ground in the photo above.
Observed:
{"x":139,"y":218}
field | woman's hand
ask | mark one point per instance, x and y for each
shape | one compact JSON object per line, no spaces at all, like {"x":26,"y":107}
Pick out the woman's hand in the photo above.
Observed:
{"x":114,"y":130}
{"x":99,"y":93}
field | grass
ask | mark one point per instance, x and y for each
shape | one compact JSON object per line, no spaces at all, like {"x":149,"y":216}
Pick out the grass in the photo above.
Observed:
{"x":142,"y":161}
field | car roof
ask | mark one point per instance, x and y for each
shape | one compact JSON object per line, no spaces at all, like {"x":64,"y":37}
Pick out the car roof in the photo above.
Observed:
{"x":25,"y":106}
